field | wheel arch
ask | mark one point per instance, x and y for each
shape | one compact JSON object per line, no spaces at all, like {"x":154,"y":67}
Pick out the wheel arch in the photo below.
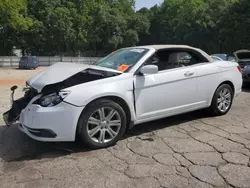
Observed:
{"x":213,"y":108}
{"x":229,"y":83}
{"x":117,"y":99}
{"x":122,"y":102}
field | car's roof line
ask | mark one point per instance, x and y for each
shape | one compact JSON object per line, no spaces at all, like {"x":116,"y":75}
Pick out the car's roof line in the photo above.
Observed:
{"x":163,"y":46}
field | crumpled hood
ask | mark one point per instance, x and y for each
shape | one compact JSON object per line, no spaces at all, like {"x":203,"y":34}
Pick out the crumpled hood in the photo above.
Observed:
{"x":60,"y":72}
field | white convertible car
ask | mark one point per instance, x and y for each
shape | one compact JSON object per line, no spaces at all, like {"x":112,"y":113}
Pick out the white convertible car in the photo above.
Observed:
{"x":128,"y":87}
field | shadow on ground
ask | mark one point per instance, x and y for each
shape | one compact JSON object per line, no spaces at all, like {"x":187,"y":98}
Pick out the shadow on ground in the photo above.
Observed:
{"x":16,"y":146}
{"x":246,"y":88}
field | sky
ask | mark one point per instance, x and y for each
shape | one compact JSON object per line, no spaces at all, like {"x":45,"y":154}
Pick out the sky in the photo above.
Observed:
{"x":146,"y":3}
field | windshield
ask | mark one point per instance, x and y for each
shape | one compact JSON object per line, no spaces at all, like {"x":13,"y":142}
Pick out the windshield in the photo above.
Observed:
{"x":216,"y":58}
{"x":230,"y":58}
{"x":123,"y":59}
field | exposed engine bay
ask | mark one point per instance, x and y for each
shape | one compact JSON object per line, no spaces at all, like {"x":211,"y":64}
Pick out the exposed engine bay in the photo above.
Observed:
{"x":85,"y":76}
{"x":88,"y":75}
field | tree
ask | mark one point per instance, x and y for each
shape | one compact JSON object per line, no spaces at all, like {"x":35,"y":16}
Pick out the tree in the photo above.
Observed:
{"x":200,"y":23}
{"x":234,"y":27}
{"x":52,"y":27}
{"x":115,"y":24}
{"x":13,"y":19}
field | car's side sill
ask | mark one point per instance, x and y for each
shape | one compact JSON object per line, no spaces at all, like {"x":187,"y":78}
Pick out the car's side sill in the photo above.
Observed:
{"x":173,"y":113}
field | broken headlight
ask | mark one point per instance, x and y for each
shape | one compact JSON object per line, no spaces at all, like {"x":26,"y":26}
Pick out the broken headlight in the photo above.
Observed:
{"x":52,"y":99}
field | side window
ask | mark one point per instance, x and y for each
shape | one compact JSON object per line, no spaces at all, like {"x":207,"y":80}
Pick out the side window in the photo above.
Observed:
{"x":183,"y":59}
{"x":187,"y":59}
{"x":170,"y":59}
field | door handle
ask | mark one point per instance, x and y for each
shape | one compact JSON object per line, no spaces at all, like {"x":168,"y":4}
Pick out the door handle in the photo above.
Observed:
{"x":189,"y":73}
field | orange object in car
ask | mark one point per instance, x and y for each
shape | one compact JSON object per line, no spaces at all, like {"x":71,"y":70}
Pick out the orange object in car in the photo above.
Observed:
{"x":123,"y":67}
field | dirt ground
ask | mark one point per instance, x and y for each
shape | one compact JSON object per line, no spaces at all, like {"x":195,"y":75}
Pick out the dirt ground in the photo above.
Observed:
{"x":191,"y":150}
{"x":10,"y":77}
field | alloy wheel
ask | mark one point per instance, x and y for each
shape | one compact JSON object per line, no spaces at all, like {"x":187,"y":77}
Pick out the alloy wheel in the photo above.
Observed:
{"x":104,"y":125}
{"x":224,"y":100}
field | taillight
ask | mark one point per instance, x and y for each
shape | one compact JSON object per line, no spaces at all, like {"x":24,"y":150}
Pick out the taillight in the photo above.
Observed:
{"x":239,"y":69}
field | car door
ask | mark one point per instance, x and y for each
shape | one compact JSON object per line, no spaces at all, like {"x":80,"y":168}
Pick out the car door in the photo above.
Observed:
{"x":166,"y":93}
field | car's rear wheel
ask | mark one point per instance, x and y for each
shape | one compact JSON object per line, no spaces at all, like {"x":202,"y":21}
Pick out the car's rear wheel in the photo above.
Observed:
{"x":222,"y":100}
{"x":102,"y":124}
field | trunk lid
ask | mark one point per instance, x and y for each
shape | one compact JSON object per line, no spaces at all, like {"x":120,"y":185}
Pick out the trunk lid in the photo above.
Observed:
{"x":243,"y":58}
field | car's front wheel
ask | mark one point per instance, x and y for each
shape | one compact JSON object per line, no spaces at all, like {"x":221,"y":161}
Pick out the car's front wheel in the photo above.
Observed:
{"x":102,"y":124}
{"x":222,"y":100}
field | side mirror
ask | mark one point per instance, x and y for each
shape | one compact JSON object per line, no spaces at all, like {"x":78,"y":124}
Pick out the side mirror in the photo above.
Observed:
{"x":149,"y":69}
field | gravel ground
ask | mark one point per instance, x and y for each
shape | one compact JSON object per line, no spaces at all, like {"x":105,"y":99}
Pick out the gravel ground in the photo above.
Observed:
{"x":190,"y":150}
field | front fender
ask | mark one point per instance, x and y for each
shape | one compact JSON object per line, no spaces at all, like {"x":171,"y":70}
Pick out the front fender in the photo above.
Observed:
{"x":82,"y":95}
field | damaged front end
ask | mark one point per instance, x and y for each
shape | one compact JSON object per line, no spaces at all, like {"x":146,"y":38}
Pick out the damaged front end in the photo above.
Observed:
{"x":11,"y":116}
{"x":50,"y":93}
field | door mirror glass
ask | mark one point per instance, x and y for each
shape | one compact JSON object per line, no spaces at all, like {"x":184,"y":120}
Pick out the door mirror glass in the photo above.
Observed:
{"x":149,"y":69}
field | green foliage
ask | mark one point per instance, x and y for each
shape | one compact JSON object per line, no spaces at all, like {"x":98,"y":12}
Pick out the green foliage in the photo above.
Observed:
{"x":100,"y":26}
{"x":13,"y":19}
{"x":13,"y":14}
{"x":206,"y":24}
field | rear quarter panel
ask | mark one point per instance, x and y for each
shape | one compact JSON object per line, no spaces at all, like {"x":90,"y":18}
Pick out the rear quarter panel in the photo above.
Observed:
{"x":215,"y":73}
{"x":207,"y":81}
{"x":228,"y":71}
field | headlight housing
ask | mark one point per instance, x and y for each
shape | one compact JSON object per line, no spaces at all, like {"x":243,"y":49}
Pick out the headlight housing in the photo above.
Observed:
{"x":52,"y":99}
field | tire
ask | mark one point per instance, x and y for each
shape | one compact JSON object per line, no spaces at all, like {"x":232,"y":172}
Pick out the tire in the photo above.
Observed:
{"x":92,"y":113}
{"x":216,"y":109}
